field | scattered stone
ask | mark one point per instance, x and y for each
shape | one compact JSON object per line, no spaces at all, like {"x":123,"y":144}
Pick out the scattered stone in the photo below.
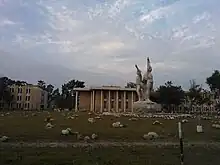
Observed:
{"x":87,"y":139}
{"x":49,"y":126}
{"x":94,"y":136}
{"x":66,"y":132}
{"x":117,"y":125}
{"x":217,"y":126}
{"x":4,"y":139}
{"x":150,"y":136}
{"x":185,"y":121}
{"x":199,"y":129}
{"x":157,"y":123}
{"x":91,"y":120}
{"x":97,"y":117}
{"x":133,"y":119}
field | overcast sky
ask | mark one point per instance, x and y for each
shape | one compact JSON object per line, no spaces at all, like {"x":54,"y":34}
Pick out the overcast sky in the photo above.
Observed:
{"x":99,"y":41}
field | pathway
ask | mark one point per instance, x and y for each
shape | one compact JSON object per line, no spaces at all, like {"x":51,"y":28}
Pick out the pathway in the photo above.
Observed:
{"x":106,"y":144}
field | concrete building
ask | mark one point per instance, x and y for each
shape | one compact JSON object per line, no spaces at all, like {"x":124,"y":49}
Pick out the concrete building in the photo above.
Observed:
{"x":27,"y":97}
{"x":105,"y":99}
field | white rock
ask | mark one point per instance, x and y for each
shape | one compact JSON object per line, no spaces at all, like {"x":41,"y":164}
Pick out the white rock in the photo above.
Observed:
{"x":94,"y":136}
{"x":199,"y":129}
{"x":49,"y":125}
{"x":133,"y":119}
{"x":66,"y":131}
{"x":185,"y":121}
{"x":86,"y":138}
{"x":217,"y":126}
{"x":91,"y":120}
{"x":151,"y":135}
{"x":4,"y":139}
{"x":157,"y":123}
{"x":97,"y":117}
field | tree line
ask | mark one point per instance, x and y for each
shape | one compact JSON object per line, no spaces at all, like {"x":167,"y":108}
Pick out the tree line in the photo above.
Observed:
{"x":167,"y":94}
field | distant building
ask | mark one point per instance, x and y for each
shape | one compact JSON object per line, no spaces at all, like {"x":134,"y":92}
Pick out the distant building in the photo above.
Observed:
{"x":105,"y":99}
{"x":27,"y":97}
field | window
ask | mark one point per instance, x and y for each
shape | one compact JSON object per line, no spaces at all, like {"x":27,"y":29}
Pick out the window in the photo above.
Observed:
{"x":27,"y":98}
{"x":12,"y":90}
{"x":28,"y":105}
{"x":18,"y":98}
{"x":19,"y":90}
{"x":28,"y":90}
{"x":18,"y":105}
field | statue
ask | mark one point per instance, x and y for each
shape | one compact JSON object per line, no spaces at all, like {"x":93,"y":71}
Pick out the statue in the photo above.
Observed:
{"x":139,"y":84}
{"x":145,"y":84}
{"x":144,"y":87}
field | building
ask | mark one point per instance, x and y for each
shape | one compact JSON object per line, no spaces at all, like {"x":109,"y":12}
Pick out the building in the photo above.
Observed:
{"x":105,"y":99}
{"x":27,"y":97}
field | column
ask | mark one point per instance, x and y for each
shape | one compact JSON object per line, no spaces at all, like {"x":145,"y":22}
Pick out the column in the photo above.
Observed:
{"x":109,"y":101}
{"x":93,"y":100}
{"x":76,"y":101}
{"x":117,"y":101}
{"x":101,"y":105}
{"x":124,"y":101}
{"x":132,"y":101}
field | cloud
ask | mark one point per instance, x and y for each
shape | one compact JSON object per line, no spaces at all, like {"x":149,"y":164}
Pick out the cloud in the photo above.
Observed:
{"x":6,"y":22}
{"x":109,"y":37}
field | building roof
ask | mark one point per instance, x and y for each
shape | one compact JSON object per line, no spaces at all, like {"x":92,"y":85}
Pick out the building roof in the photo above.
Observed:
{"x":114,"y":88}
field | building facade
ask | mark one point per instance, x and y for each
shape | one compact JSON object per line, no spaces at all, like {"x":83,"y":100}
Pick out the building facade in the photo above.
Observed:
{"x":26,"y":97}
{"x":105,"y":99}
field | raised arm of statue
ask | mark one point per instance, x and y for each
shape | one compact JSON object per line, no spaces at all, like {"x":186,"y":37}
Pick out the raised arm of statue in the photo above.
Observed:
{"x":149,"y":68}
{"x":137,"y":68}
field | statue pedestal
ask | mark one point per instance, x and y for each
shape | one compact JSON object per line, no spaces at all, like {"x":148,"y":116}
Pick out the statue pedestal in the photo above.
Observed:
{"x":143,"y":107}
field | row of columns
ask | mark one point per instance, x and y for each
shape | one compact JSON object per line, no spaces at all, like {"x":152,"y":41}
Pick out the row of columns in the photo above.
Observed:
{"x":92,"y":108}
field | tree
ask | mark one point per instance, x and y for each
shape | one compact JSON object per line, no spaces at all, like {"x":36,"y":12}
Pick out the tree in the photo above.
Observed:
{"x":214,"y":81}
{"x":170,"y":94}
{"x":41,"y":84}
{"x":5,"y":93}
{"x":49,"y":89}
{"x":130,"y":85}
{"x":195,"y":96}
{"x":67,"y":99}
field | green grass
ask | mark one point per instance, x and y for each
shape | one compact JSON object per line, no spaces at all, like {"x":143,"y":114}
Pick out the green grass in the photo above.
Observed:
{"x":108,"y":156}
{"x":32,"y":128}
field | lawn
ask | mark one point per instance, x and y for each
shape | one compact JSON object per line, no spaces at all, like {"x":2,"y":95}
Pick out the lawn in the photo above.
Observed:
{"x":108,"y":156}
{"x":28,"y":127}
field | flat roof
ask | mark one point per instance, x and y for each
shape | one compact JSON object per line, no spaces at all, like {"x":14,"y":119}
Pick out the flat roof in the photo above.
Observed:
{"x":104,"y":88}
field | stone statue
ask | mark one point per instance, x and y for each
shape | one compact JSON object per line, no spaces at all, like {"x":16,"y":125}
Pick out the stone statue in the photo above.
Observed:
{"x":145,"y":84}
{"x":148,"y":81}
{"x":144,"y":87}
{"x":139,"y":85}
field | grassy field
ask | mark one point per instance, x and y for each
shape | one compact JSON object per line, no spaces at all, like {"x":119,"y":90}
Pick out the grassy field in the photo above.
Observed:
{"x":108,"y":156}
{"x":28,"y":127}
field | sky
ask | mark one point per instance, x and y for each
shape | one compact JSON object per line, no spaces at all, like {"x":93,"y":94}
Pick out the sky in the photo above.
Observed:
{"x":100,"y":41}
